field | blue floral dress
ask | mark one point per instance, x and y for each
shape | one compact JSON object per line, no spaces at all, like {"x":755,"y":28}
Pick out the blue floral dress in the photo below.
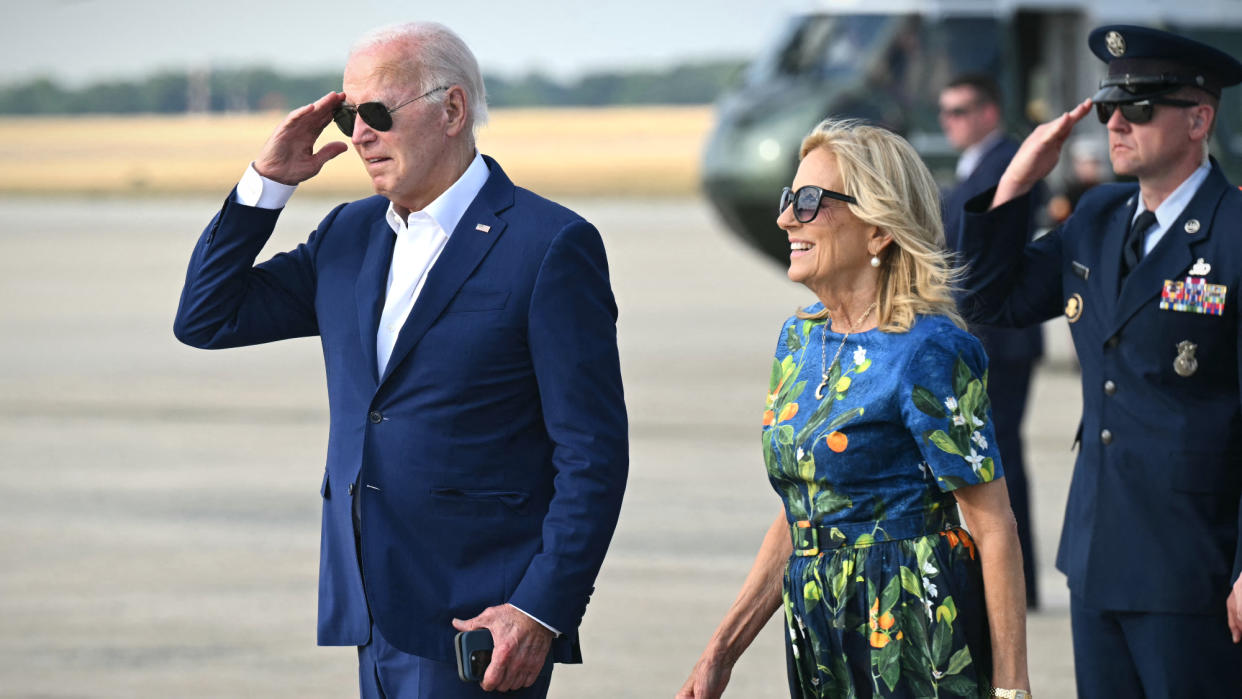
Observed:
{"x":883,"y":595}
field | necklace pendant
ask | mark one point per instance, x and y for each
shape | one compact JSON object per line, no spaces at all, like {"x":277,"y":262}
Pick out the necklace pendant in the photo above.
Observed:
{"x":819,"y":390}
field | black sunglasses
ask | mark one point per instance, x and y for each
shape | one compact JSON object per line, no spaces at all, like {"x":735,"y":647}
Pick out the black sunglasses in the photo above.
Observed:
{"x":374,"y":114}
{"x":958,"y":112}
{"x":1139,"y":112}
{"x":807,"y":199}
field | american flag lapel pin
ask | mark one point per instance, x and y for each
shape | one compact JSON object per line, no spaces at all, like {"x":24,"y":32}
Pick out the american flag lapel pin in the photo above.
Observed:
{"x":482,"y":227}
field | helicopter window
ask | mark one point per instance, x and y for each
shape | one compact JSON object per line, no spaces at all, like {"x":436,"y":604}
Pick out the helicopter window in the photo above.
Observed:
{"x":828,"y":44}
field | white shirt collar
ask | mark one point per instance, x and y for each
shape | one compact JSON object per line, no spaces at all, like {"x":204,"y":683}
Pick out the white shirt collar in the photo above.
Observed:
{"x":970,"y":157}
{"x":448,"y":208}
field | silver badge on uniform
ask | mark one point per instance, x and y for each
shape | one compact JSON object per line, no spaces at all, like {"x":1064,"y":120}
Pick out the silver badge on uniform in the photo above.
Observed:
{"x":1200,"y":268}
{"x":1116,"y":43}
{"x":1185,"y":364}
{"x":1192,"y":226}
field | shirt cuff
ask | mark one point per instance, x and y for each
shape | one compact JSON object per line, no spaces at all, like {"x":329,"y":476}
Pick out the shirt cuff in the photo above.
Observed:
{"x":258,"y":191}
{"x":558,"y":633}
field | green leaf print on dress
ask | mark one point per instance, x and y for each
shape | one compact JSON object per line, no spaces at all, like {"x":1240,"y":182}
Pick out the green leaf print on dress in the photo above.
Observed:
{"x":783,"y":455}
{"x":965,"y":412}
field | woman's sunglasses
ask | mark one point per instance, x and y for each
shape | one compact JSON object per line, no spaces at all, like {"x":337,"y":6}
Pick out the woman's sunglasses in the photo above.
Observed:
{"x":374,"y":114}
{"x":807,"y":199}
{"x":1139,"y":112}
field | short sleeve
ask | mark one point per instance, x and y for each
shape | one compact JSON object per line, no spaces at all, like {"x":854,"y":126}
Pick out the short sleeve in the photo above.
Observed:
{"x":944,"y":402}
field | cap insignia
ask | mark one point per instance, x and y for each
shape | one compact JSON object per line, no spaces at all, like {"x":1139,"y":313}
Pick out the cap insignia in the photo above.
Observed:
{"x":1116,"y":43}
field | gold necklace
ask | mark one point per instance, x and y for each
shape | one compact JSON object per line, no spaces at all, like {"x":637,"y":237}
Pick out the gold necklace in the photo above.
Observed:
{"x":823,"y":348}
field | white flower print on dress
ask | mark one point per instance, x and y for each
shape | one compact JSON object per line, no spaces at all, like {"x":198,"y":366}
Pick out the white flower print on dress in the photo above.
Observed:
{"x":978,"y":438}
{"x":975,"y":460}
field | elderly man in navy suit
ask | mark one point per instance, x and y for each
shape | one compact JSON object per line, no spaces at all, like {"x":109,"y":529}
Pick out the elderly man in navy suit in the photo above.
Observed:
{"x":1148,"y":276}
{"x":970,"y":116}
{"x":478,"y":448}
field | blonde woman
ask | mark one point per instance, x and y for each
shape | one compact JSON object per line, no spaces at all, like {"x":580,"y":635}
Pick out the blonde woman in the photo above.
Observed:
{"x":877,"y":427}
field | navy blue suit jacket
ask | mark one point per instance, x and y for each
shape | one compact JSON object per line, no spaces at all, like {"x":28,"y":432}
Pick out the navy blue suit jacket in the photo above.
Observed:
{"x":1152,"y":522}
{"x":491,"y":455}
{"x":1001,"y":344}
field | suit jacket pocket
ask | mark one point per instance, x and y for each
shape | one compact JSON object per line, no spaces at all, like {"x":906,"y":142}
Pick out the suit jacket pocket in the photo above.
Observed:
{"x":482,"y":500}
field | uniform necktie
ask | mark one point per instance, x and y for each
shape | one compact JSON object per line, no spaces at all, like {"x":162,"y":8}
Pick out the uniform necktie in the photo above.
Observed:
{"x":1132,"y":250}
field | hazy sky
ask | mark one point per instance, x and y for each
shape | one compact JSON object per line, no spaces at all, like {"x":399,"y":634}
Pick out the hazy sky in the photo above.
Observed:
{"x":80,"y":40}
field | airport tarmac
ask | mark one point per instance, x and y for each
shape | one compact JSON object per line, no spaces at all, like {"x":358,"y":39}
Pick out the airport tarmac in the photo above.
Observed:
{"x":160,"y":529}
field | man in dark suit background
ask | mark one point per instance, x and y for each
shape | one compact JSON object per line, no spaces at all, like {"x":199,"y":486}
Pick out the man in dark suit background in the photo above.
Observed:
{"x":1148,"y":276}
{"x":970,"y":116}
{"x":477,"y":453}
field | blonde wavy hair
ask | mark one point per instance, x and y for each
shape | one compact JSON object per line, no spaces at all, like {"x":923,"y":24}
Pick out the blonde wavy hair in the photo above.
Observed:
{"x":896,"y":194}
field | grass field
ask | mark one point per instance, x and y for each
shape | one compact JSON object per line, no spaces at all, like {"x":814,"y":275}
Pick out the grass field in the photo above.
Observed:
{"x":629,"y":151}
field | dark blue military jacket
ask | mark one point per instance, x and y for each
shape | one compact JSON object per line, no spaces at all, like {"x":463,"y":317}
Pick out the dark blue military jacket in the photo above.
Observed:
{"x":1152,"y":520}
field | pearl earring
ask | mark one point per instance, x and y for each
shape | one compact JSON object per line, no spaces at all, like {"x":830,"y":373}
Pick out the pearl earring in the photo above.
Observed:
{"x":875,"y":260}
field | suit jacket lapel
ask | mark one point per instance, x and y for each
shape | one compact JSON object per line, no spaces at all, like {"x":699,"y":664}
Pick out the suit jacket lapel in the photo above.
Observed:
{"x":1107,"y":265}
{"x":1172,"y":255}
{"x":465,"y":249}
{"x":371,"y":287}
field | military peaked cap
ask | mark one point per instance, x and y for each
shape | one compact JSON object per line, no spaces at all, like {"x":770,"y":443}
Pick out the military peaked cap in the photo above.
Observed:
{"x":1145,"y":62}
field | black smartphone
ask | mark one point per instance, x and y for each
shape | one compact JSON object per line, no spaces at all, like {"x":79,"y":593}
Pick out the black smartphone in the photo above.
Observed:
{"x":474,"y":652}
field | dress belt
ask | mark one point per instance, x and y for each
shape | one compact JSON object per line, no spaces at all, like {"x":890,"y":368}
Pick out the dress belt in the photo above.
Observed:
{"x":811,"y":539}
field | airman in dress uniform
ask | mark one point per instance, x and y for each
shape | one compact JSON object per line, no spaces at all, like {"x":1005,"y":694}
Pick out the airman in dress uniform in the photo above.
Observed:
{"x":1148,"y":276}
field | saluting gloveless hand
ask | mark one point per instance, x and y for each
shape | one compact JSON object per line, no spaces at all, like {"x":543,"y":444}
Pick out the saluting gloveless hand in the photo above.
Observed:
{"x":1038,"y":154}
{"x":289,"y":155}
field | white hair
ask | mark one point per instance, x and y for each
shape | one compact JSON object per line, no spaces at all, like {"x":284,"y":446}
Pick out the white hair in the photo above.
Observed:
{"x":436,"y":57}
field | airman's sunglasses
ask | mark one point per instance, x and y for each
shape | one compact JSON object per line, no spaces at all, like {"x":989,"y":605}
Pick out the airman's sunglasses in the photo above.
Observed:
{"x":807,"y":199}
{"x":1139,"y":112}
{"x":374,"y":114}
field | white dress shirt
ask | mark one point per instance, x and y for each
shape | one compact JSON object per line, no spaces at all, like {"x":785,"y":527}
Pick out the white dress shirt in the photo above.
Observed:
{"x":972,"y":155}
{"x":421,"y":237}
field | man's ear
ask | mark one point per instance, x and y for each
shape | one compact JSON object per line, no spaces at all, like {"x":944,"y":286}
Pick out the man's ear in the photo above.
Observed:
{"x":1201,"y":120}
{"x":992,"y":112}
{"x":456,"y":110}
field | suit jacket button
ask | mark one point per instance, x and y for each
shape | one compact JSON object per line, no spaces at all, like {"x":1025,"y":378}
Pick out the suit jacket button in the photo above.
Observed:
{"x":1106,"y":437}
{"x":350,"y":489}
{"x":1109,"y":388}
{"x":375,"y":416}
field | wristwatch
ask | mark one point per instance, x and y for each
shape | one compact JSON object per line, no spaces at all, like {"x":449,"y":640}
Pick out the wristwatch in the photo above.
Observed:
{"x":1010,"y":693}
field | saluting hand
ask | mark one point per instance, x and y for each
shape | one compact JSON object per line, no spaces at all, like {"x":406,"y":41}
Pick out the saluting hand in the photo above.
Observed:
{"x":289,"y":157}
{"x":1038,"y":154}
{"x":520,"y":650}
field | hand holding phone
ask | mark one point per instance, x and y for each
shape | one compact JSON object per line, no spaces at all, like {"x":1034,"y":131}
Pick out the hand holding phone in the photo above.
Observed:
{"x":474,"y":653}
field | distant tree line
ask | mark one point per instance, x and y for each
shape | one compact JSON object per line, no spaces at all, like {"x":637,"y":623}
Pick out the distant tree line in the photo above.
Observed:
{"x":255,"y":89}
